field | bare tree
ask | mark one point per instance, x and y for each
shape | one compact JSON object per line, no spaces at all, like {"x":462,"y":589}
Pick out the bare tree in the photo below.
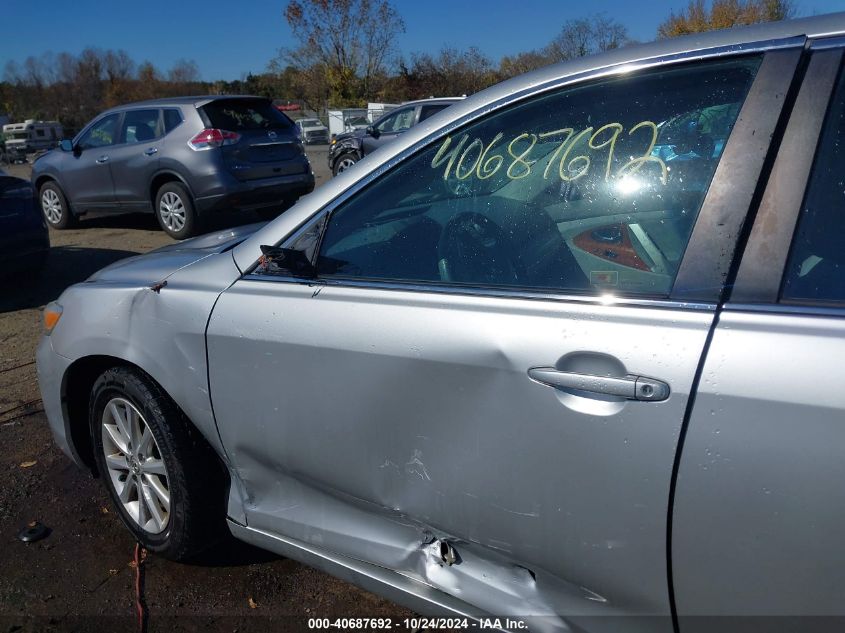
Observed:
{"x":349,"y":41}
{"x":586,"y":36}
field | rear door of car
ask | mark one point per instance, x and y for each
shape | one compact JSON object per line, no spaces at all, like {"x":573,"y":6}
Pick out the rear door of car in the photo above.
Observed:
{"x":759,"y":507}
{"x":485,"y":386}
{"x":267,"y":144}
{"x":135,"y":159}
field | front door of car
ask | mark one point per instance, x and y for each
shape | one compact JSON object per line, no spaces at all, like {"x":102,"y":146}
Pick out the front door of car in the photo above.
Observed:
{"x":135,"y":159}
{"x":484,"y":385}
{"x":388,"y":128}
{"x":85,"y":174}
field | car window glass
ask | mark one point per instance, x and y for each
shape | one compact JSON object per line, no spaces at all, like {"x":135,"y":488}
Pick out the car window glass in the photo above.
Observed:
{"x":593,"y":188}
{"x":816,"y":267}
{"x":237,"y":115}
{"x":430,"y":110}
{"x":140,"y":126}
{"x":397,"y":121}
{"x":101,"y":134}
{"x":172,"y":118}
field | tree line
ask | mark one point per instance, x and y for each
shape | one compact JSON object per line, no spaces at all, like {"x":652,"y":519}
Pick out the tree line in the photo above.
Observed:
{"x":345,"y":55}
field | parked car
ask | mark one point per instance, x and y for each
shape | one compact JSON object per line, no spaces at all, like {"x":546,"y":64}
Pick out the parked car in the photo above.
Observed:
{"x":24,"y":241}
{"x":312,"y":131}
{"x":181,"y":159}
{"x":348,"y":148}
{"x":562,"y":356}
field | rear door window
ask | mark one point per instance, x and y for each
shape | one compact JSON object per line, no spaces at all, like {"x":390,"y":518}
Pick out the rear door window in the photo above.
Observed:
{"x":592,"y":188}
{"x":239,"y":115}
{"x":430,"y":110}
{"x":815,"y":271}
{"x":172,"y":118}
{"x":140,"y":126}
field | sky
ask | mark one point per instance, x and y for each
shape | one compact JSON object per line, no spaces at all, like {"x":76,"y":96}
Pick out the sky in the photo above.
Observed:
{"x":229,"y":39}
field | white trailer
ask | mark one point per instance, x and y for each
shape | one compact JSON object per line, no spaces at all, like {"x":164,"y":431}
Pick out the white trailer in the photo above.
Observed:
{"x":31,"y":136}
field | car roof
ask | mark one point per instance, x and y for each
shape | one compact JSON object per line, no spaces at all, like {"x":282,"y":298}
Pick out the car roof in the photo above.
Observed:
{"x":435,"y":100}
{"x":197,"y":101}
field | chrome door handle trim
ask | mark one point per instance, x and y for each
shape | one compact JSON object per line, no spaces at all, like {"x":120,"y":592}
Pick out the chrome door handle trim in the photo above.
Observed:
{"x":630,"y":387}
{"x":150,"y":151}
{"x":102,"y":159}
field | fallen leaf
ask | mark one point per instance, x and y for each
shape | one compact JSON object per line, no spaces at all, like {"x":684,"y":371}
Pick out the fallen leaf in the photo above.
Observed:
{"x":28,"y":464}
{"x":104,"y":510}
{"x":133,"y":564}
{"x":252,"y":603}
{"x":112,"y":572}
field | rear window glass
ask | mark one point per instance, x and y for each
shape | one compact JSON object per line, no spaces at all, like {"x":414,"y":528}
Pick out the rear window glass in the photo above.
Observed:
{"x":172,"y":118}
{"x":244,"y":114}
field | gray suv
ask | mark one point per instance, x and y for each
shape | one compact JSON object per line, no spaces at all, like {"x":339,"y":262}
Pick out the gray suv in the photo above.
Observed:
{"x":180,"y":158}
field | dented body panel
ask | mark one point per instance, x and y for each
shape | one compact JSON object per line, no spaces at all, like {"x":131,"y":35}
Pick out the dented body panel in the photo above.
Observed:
{"x":119,"y":315}
{"x":388,"y":420}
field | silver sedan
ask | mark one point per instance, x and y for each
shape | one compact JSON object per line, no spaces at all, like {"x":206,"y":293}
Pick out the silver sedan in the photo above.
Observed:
{"x":565,"y":353}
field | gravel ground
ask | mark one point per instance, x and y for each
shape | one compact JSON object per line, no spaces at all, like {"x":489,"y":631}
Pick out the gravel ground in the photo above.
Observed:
{"x":81,"y":577}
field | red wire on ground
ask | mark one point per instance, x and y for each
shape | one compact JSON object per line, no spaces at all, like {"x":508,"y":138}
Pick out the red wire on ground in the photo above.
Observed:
{"x":140,"y":555}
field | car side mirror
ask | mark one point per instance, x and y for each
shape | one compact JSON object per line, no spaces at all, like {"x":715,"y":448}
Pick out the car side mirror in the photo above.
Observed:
{"x":66,"y":145}
{"x":277,"y":259}
{"x":373,"y":131}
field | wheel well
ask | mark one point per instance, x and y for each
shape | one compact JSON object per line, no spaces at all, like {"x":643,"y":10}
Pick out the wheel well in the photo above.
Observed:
{"x":78,"y":381}
{"x":162,"y":179}
{"x":349,"y":151}
{"x":41,"y":180}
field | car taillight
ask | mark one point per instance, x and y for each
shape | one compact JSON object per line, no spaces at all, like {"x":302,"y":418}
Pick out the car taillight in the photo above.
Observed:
{"x":212,"y":137}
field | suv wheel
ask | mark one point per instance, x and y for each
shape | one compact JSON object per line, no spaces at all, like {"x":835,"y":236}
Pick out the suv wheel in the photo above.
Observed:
{"x":54,"y":206}
{"x":344,"y":162}
{"x":163,"y":478}
{"x":175,"y":211}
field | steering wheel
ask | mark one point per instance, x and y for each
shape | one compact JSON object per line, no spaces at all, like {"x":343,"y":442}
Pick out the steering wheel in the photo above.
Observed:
{"x":473,"y":249}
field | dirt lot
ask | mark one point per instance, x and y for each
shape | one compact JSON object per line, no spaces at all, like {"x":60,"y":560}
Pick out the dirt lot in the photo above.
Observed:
{"x":80,"y":578}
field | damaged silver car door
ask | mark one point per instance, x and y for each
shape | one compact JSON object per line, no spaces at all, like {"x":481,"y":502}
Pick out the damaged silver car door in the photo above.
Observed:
{"x":480,"y":378}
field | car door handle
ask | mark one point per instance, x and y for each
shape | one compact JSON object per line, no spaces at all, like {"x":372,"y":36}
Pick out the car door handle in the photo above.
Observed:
{"x":102,"y":159}
{"x":150,"y":151}
{"x":630,"y":387}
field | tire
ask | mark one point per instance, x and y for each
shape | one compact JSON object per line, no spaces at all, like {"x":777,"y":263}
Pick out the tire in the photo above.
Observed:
{"x":54,"y":206}
{"x":177,"y":473}
{"x":175,"y":211}
{"x":344,"y":162}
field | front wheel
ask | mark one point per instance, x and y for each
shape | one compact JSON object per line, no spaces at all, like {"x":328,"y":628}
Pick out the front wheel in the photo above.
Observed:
{"x":163,"y":478}
{"x":54,"y":206}
{"x":344,"y":162}
{"x":175,"y":211}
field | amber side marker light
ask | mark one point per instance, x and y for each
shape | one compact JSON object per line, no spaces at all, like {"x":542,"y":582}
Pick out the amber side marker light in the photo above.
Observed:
{"x":52,"y":314}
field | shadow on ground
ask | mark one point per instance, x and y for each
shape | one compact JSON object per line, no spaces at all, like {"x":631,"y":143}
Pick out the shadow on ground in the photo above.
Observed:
{"x":147,"y":221}
{"x":45,"y":280}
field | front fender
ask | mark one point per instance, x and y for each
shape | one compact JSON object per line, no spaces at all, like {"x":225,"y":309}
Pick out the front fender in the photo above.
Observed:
{"x":162,"y":332}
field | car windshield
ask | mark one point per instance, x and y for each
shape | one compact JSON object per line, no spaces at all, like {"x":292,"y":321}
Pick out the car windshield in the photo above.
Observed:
{"x":244,"y":114}
{"x":310,"y":123}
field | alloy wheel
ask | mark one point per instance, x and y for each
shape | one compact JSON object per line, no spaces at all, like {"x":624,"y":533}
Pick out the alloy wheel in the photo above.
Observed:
{"x":172,"y":211}
{"x":52,"y":206}
{"x":345,"y":164}
{"x":135,"y":466}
